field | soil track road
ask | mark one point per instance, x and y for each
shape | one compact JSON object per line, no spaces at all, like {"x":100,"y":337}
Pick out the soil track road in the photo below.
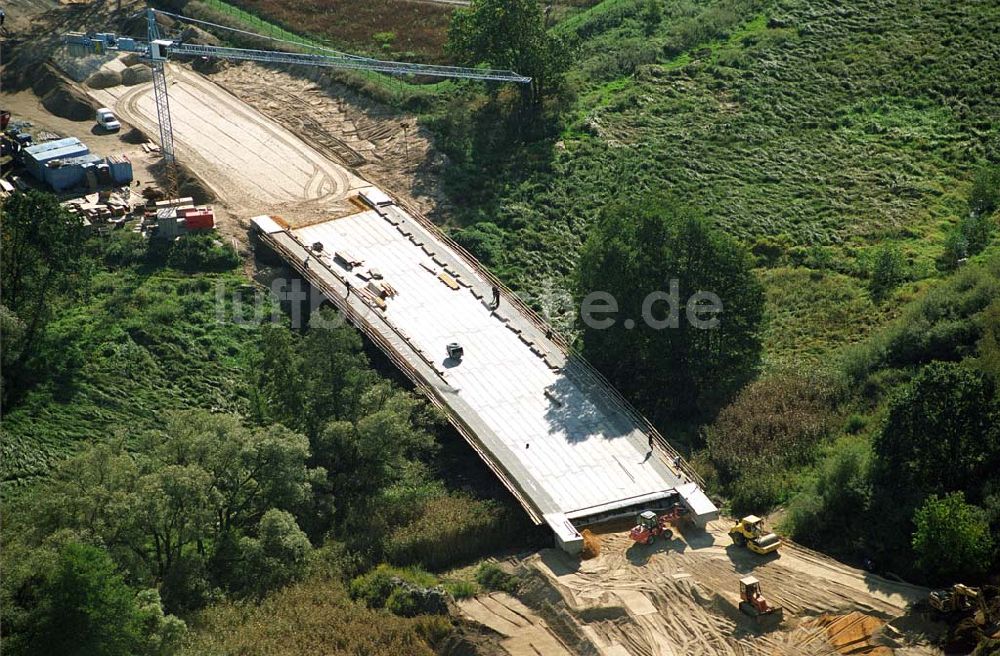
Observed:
{"x":249,"y":161}
{"x":680,"y":598}
{"x":523,"y":632}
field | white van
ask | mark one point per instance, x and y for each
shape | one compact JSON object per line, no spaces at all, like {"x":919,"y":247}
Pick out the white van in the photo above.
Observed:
{"x":106,"y":120}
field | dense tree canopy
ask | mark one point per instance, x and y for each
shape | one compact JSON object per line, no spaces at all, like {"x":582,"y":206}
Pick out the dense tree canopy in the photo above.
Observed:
{"x":509,"y":34}
{"x":677,"y":358}
{"x":85,"y":607}
{"x":200,"y":484}
{"x":362,"y":430}
{"x":942,"y":434}
{"x":40,"y":250}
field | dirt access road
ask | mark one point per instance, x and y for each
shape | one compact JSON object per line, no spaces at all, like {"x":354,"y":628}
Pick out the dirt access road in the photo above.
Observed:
{"x":680,"y":598}
{"x":252,"y":164}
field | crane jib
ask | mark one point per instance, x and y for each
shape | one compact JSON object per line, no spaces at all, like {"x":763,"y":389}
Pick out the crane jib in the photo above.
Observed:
{"x":163,"y":49}
{"x":156,"y":51}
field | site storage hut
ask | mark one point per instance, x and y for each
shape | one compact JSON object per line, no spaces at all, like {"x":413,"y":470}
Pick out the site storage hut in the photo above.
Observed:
{"x":67,"y":163}
{"x":38,"y":156}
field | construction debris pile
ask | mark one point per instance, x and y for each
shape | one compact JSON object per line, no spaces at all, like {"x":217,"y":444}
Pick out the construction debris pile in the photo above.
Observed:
{"x":102,"y":208}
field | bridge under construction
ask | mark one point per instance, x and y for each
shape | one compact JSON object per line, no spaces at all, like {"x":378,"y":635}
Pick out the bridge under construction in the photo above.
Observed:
{"x":558,"y":435}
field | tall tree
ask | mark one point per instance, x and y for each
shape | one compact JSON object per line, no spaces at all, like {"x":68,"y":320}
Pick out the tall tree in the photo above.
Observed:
{"x":338,"y":373}
{"x":942,"y":434}
{"x":85,"y":608}
{"x":309,"y":380}
{"x":40,"y":249}
{"x":510,"y":34}
{"x":369,"y":454}
{"x":275,"y":557}
{"x":661,"y":263}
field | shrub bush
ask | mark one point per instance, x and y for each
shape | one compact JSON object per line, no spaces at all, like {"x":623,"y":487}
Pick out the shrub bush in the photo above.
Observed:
{"x":943,"y":325}
{"x":984,"y":197}
{"x":484,"y":240}
{"x":461,"y":589}
{"x":715,"y":23}
{"x":433,"y":628}
{"x":450,"y":529}
{"x":830,"y":513}
{"x":408,"y":600}
{"x":202,"y":252}
{"x":952,"y":541}
{"x":375,"y":587}
{"x":492,"y":577}
{"x":774,"y":421}
{"x":312,"y":617}
{"x":758,"y":491}
{"x":887,"y":272}
{"x":125,"y":248}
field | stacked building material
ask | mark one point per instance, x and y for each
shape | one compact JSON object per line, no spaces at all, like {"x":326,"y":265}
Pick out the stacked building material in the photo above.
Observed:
{"x":177,"y":216}
{"x":98,"y":209}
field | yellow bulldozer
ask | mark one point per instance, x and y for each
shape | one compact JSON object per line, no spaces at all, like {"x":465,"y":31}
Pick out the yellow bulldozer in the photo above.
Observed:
{"x":749,"y":532}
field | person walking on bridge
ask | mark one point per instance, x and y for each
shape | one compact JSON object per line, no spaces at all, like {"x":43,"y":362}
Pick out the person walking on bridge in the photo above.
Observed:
{"x":496,"y":297}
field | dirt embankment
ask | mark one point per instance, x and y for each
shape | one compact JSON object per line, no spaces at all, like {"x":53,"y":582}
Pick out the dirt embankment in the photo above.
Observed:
{"x":61,"y":97}
{"x":384,"y":146}
{"x":681,"y":597}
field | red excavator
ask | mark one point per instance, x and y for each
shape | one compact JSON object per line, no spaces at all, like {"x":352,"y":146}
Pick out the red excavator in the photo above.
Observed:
{"x":753,"y":603}
{"x":648,"y":525}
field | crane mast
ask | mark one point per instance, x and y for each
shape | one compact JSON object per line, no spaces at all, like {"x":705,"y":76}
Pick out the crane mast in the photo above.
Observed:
{"x":162,"y":98}
{"x":156,"y":50}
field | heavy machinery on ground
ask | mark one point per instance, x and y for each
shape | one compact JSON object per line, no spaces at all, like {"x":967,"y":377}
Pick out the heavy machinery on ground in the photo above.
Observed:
{"x":753,"y":603}
{"x":972,"y":613}
{"x":957,"y":598}
{"x":749,"y":532}
{"x":156,"y":50}
{"x":648,"y":525}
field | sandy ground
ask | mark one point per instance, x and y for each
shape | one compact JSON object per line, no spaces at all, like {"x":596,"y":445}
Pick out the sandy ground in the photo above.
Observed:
{"x":24,"y":105}
{"x":681,"y":598}
{"x":522,"y":631}
{"x":384,"y":146}
{"x":253,"y":165}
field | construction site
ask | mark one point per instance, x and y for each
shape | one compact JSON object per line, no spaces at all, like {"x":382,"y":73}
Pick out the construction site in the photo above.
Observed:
{"x":642,"y":562}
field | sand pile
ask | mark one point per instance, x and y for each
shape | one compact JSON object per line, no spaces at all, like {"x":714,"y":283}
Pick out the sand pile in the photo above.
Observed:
{"x":137,"y":74}
{"x":591,"y":545}
{"x":104,"y":78}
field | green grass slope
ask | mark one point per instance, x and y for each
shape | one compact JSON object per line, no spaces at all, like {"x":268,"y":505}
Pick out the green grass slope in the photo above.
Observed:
{"x":140,"y":342}
{"x":813,"y":131}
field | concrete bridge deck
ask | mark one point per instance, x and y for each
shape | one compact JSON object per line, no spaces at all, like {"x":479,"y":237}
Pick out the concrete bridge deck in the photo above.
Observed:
{"x":559,"y":437}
